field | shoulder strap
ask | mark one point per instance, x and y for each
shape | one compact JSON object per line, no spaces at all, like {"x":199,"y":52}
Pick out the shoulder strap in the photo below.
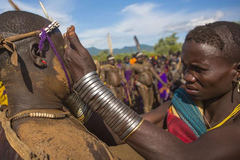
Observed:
{"x":21,"y":148}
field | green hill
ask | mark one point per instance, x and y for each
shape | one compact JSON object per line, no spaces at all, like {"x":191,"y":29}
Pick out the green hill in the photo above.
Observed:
{"x":95,"y":51}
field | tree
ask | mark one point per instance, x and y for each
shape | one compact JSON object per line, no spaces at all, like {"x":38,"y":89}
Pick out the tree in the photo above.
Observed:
{"x":238,"y":22}
{"x":169,"y":44}
{"x":102,"y":56}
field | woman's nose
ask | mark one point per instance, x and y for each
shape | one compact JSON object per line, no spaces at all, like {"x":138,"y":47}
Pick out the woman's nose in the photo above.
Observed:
{"x":189,"y":77}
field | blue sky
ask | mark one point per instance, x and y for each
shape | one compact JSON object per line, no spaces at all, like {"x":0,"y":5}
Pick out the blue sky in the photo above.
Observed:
{"x":148,"y":20}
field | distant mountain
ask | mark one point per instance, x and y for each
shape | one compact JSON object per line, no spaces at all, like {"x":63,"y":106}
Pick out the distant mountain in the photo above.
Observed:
{"x":95,"y":51}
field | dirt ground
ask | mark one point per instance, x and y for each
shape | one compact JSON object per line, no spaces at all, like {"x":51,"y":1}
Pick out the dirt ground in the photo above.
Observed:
{"x":125,"y":152}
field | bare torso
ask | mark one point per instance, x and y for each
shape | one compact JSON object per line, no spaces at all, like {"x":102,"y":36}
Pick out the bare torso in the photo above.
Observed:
{"x":111,"y":75}
{"x":144,"y":74}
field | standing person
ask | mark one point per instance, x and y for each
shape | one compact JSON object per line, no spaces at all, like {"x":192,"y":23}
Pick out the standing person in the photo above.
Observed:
{"x":113,"y":77}
{"x":175,"y":76}
{"x":127,"y":70}
{"x":162,"y":90}
{"x":142,"y":77}
{"x":119,"y":63}
{"x":212,"y":74}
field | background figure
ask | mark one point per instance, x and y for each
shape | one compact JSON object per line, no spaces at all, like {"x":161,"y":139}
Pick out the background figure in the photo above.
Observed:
{"x":142,"y":77}
{"x":127,"y":70}
{"x":119,"y":63}
{"x":175,"y":75}
{"x":112,"y":76}
{"x":162,"y":91}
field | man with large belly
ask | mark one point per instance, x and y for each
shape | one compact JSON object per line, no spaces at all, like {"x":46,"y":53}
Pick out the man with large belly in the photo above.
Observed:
{"x":142,"y":77}
{"x":113,"y":77}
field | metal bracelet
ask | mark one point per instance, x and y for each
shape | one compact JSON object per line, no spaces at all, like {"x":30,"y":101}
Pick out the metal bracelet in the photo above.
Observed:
{"x":100,"y":100}
{"x":83,"y":78}
{"x":95,"y":99}
{"x":119,"y":115}
{"x":116,"y":113}
{"x":88,"y":86}
{"x":76,"y":107}
{"x":109,"y":110}
{"x":127,"y":120}
{"x":127,"y":124}
{"x":71,"y":99}
{"x":95,"y":85}
{"x":79,"y":87}
{"x":109,"y":102}
{"x":113,"y":109}
{"x":91,"y":95}
{"x":121,"y":119}
{"x":80,"y":108}
{"x":132,"y":128}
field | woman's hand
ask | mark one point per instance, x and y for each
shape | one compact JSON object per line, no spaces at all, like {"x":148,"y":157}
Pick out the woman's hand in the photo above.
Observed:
{"x":77,"y":58}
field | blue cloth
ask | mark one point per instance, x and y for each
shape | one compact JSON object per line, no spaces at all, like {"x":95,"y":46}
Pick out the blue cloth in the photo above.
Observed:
{"x":188,"y":111}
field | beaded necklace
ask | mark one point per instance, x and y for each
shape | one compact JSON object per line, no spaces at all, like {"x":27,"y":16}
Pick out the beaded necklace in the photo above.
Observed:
{"x":234,"y":112}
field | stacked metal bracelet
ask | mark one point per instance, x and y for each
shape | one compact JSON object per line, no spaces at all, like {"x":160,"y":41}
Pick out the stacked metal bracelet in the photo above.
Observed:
{"x":78,"y":109}
{"x":122,"y":120}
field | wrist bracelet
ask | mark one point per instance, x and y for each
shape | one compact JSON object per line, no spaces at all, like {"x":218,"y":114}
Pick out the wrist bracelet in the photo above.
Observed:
{"x":119,"y":117}
{"x":77,"y":107}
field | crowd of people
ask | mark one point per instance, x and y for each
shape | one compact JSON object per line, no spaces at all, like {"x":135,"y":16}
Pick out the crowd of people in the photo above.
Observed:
{"x":56,"y":103}
{"x":142,"y":82}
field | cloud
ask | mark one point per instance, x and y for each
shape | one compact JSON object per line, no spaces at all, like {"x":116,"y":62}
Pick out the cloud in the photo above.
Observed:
{"x":195,"y":19}
{"x":139,"y":9}
{"x":148,"y":21}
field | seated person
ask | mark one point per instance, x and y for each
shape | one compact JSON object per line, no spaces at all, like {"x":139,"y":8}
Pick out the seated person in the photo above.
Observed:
{"x":34,"y":124}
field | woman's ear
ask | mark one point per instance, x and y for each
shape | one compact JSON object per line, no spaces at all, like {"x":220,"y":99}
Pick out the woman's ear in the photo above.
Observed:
{"x":237,"y":75}
{"x":36,"y":55}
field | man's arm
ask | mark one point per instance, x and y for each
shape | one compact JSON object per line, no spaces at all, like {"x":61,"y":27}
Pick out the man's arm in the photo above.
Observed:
{"x":158,"y":115}
{"x":102,"y":74}
{"x":121,"y":73}
{"x":156,"y":76}
{"x":133,"y":76}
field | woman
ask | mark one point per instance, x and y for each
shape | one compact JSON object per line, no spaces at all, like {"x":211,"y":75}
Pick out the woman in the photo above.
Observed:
{"x":210,"y":55}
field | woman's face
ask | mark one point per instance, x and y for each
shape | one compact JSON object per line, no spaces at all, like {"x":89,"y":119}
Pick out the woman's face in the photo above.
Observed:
{"x":207,"y":74}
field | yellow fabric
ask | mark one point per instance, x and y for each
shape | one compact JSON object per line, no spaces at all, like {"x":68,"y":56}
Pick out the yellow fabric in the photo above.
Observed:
{"x":234,"y":112}
{"x":173,"y":111}
{"x":3,"y":97}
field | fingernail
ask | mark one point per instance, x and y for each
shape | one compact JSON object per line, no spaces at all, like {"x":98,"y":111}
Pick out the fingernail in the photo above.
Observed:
{"x":71,"y":30}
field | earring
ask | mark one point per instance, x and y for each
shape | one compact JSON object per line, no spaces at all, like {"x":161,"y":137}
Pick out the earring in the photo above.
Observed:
{"x":238,"y":86}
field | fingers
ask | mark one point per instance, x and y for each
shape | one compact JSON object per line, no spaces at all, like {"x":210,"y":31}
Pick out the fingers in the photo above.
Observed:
{"x":73,"y":39}
{"x":66,"y":42}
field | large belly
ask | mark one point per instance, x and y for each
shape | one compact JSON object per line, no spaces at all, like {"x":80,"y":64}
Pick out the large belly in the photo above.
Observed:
{"x":145,"y":78}
{"x":114,"y":79}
